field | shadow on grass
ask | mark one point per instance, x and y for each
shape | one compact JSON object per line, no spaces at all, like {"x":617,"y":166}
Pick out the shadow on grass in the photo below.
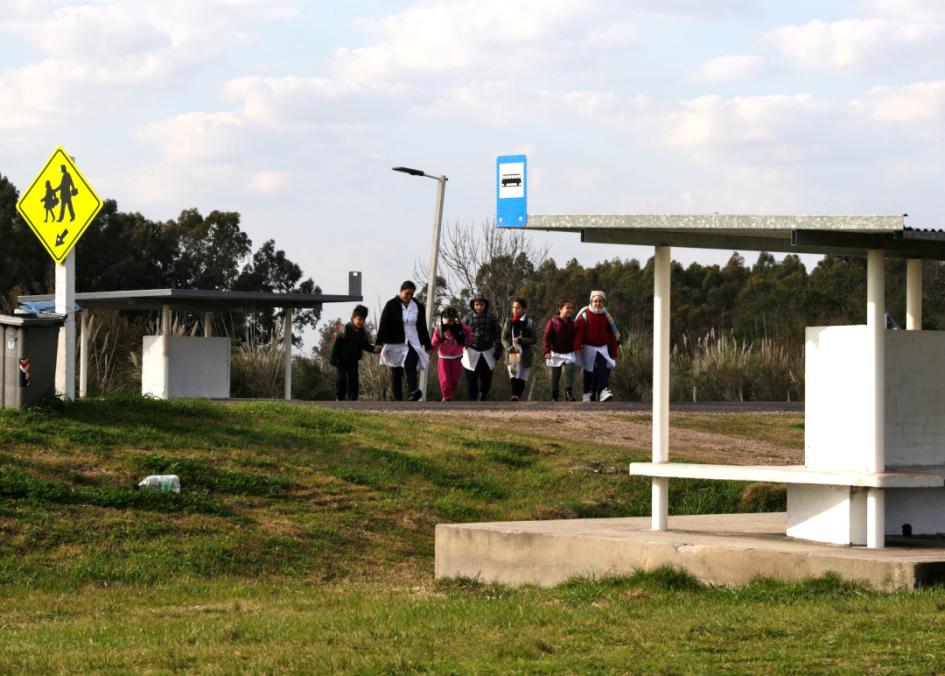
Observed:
{"x":667,"y":579}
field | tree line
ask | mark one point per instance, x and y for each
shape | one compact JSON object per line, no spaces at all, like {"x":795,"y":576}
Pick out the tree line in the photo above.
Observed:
{"x":720,"y":313}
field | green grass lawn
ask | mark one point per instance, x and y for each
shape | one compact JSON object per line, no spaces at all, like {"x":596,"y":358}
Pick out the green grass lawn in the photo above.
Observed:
{"x":303,"y":541}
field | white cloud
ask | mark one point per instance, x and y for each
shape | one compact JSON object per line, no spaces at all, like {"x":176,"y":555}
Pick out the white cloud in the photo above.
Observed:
{"x":729,"y":68}
{"x":106,"y":53}
{"x":854,"y":43}
{"x":293,"y":102}
{"x":38,"y":93}
{"x":781,"y":122}
{"x":268,"y":181}
{"x":916,"y":102}
{"x":195,"y":136}
{"x":490,"y":38}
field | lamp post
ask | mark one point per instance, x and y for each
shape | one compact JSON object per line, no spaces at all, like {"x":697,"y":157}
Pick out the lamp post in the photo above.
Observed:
{"x":434,"y":255}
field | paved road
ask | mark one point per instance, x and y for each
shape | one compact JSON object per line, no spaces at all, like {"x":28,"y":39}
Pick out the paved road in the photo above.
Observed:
{"x":547,"y":406}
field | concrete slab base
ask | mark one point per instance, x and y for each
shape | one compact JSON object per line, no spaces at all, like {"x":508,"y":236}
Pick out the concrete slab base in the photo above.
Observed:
{"x":720,"y":549}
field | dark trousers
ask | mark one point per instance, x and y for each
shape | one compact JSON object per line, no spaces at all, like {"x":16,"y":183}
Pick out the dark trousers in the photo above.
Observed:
{"x":518,"y":387}
{"x":479,"y":382}
{"x":599,"y":378}
{"x":397,"y":375}
{"x":346,"y":382}
{"x":556,"y":377}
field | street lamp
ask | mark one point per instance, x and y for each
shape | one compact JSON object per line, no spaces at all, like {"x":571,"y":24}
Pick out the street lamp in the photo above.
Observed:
{"x":434,"y":255}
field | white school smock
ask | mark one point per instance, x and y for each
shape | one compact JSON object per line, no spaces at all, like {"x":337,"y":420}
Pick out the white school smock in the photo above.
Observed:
{"x":395,"y":354}
{"x":560,"y":359}
{"x":471,"y":358}
{"x":589,"y":355}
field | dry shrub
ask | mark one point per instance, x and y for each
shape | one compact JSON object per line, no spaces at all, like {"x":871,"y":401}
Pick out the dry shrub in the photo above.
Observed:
{"x":258,"y":371}
{"x":713,"y":368}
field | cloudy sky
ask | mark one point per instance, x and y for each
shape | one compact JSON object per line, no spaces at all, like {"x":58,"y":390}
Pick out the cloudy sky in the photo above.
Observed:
{"x":294,"y":113}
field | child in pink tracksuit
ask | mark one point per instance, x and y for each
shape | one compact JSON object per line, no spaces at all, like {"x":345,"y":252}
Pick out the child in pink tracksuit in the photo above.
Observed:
{"x":448,"y":339}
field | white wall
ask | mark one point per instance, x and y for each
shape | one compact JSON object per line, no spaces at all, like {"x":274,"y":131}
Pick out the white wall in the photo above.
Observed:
{"x":836,"y":398}
{"x":836,"y":434}
{"x":199,"y":367}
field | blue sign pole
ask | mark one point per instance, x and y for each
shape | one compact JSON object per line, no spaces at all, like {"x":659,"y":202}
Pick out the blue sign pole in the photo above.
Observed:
{"x":511,"y":191}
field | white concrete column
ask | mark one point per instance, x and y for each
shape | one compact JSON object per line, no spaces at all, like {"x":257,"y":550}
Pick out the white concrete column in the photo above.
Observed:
{"x":166,"y":328}
{"x":207,"y":324}
{"x":287,"y":348}
{"x":65,"y":306}
{"x":84,"y":327}
{"x":661,"y":313}
{"x":914,"y":294}
{"x":876,"y":416}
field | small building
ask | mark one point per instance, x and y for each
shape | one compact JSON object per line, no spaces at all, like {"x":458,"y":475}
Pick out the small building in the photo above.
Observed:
{"x":191,"y":366}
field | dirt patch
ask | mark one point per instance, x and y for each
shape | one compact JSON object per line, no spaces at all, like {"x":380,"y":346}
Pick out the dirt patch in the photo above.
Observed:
{"x":614,"y":429}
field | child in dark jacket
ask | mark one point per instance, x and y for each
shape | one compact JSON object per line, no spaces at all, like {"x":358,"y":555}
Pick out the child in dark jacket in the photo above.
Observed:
{"x":518,"y":336}
{"x":558,"y":348}
{"x":449,"y":339}
{"x":484,"y":350}
{"x":345,"y":354}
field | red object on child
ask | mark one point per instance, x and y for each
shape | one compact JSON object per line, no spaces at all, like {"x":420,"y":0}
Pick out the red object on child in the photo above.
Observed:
{"x":25,"y":365}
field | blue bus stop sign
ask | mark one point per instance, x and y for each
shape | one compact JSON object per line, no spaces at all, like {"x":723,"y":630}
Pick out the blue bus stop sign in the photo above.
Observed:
{"x":511,"y":191}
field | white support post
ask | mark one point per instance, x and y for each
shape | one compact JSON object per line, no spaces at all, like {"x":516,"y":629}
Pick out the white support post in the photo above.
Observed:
{"x":65,"y":306}
{"x":287,"y":347}
{"x":207,"y":324}
{"x":84,"y":327}
{"x":166,"y":328}
{"x":661,"y":313}
{"x":913,"y":295}
{"x":424,"y":376}
{"x":876,"y":416}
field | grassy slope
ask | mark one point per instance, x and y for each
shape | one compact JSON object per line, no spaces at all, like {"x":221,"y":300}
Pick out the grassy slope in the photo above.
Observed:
{"x":304,"y":537}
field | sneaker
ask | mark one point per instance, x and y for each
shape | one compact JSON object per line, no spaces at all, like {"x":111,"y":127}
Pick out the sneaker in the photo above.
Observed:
{"x":606,"y":394}
{"x":514,"y":398}
{"x":568,"y":395}
{"x":554,"y":396}
{"x":587,"y":397}
{"x":416,"y":395}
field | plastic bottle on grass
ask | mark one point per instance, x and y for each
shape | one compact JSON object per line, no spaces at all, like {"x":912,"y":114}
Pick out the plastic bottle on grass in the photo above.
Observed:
{"x":166,"y":483}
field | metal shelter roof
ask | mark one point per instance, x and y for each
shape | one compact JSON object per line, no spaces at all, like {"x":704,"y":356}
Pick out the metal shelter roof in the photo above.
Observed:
{"x":848,"y":234}
{"x":197,"y":300}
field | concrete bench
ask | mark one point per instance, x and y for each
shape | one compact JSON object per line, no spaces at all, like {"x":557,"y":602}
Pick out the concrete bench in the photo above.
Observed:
{"x":824,"y":505}
{"x":789,"y":474}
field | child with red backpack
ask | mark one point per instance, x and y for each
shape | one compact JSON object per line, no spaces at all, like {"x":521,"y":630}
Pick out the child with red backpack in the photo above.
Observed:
{"x":596,"y":342}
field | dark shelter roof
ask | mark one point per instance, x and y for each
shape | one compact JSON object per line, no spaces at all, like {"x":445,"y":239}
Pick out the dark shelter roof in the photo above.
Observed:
{"x":849,"y":235}
{"x":197,"y":300}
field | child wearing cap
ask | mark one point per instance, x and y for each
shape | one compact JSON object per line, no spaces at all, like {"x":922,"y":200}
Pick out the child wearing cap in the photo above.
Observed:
{"x":449,"y":339}
{"x":345,"y":354}
{"x":596,"y":342}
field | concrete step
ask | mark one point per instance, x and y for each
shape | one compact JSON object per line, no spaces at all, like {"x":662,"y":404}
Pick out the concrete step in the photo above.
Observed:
{"x":725,"y":549}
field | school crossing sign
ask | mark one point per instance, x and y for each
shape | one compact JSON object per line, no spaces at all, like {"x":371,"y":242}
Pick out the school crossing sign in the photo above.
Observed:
{"x":59,"y":205}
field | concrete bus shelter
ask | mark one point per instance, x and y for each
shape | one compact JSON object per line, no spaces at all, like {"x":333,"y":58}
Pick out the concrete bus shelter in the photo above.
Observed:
{"x":874,"y":462}
{"x":191,"y":366}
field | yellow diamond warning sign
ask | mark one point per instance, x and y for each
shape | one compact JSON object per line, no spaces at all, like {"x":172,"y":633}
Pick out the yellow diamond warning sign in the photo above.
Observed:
{"x":59,"y":205}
